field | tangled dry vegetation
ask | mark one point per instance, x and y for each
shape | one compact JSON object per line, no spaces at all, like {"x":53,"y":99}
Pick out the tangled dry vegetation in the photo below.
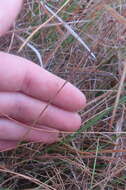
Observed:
{"x":94,"y":158}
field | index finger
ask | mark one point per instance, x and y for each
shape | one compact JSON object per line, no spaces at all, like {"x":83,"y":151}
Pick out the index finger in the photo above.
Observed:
{"x":19,"y":74}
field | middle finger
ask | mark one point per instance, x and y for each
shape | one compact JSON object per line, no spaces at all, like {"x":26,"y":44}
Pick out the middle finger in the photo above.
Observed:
{"x":27,"y":109}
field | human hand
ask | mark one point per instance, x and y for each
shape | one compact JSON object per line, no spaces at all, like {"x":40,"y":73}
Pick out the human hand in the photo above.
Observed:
{"x":26,"y":89}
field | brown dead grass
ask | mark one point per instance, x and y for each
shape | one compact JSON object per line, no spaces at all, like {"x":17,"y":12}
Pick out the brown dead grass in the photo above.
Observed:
{"x":94,"y":158}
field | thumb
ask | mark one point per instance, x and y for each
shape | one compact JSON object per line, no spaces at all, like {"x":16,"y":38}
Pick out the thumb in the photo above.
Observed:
{"x":9,"y":10}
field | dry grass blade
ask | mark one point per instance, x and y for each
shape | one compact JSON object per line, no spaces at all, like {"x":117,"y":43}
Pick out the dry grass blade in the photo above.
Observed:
{"x":33,"y":49}
{"x":70,"y":30}
{"x":118,"y":94}
{"x":28,"y":178}
{"x":41,"y":26}
{"x":113,"y":174}
{"x":94,"y":167}
{"x":121,"y":19}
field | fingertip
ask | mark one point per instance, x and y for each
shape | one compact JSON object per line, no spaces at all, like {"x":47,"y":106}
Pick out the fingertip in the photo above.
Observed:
{"x":76,"y":123}
{"x":72,"y":123}
{"x":81,"y":99}
{"x":76,"y":99}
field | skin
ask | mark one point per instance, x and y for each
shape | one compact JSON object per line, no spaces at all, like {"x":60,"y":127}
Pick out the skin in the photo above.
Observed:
{"x":9,"y":10}
{"x":25,"y":90}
